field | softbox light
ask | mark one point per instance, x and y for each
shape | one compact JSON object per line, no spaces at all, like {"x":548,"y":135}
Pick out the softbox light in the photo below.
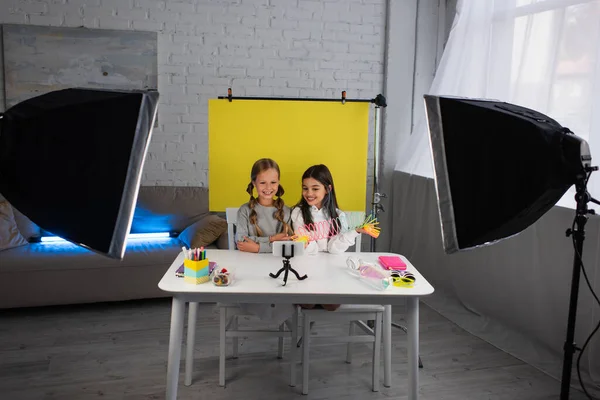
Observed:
{"x":498,"y":167}
{"x":71,"y":160}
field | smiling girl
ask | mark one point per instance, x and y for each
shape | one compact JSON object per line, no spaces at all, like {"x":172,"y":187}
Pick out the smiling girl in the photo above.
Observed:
{"x":264,"y":219}
{"x":318,"y":210}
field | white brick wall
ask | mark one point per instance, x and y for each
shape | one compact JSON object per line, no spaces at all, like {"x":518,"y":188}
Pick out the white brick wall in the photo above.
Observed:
{"x":306,"y":48}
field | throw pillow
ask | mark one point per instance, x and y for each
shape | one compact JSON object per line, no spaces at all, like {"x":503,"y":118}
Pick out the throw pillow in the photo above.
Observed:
{"x":203,"y":232}
{"x":10,"y":236}
{"x":26,"y":227}
{"x":223,"y":241}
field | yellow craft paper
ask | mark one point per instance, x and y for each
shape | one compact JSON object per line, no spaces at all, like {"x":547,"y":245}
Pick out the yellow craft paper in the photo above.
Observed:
{"x":296,"y":134}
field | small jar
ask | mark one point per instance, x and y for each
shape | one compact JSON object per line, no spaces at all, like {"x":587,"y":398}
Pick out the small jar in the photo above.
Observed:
{"x":221,"y":276}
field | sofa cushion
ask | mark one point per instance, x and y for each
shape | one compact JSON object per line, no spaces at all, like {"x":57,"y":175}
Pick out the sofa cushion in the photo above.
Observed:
{"x":203,"y":232}
{"x":169,"y":208}
{"x":10,"y":237}
{"x":223,"y":241}
{"x":67,"y":256}
{"x":27,"y":227}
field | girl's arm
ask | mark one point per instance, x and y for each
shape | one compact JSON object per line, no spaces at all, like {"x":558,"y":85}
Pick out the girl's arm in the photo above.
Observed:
{"x":298,"y":222}
{"x":243,"y":230}
{"x":340,"y":242}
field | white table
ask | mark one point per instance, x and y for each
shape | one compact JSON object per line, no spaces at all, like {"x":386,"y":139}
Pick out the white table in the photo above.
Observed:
{"x":328,"y":283}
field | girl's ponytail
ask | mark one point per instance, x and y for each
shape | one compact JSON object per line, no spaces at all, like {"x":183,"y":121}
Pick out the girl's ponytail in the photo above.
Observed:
{"x":279,"y":215}
{"x":251,"y":204}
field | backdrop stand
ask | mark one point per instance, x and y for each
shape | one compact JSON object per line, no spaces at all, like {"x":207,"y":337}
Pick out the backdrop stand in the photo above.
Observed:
{"x":376,"y":206}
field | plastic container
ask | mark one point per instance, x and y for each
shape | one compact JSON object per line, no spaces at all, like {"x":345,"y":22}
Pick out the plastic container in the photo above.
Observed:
{"x":221,"y":276}
{"x":371,"y":274}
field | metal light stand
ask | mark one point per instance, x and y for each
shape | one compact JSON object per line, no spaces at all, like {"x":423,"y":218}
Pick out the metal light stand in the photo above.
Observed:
{"x":376,"y":206}
{"x":582,"y":197}
{"x":380,"y":102}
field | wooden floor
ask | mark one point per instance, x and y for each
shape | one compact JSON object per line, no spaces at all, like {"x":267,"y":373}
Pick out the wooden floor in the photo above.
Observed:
{"x":119,"y":351}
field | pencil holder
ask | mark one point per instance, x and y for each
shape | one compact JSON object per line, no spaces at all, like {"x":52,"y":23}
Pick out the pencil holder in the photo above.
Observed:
{"x":195,"y":272}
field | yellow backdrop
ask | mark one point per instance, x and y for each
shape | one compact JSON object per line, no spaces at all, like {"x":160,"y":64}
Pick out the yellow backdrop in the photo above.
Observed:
{"x":296,"y":134}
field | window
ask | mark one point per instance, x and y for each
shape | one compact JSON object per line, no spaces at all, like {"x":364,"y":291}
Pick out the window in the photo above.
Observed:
{"x":540,"y":54}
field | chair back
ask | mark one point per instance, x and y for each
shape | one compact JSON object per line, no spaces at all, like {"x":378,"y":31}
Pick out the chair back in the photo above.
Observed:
{"x":353,"y":218}
{"x":231,"y":216}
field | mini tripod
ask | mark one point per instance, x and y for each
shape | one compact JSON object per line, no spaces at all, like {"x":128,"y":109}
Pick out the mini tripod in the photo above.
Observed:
{"x":287,"y":267}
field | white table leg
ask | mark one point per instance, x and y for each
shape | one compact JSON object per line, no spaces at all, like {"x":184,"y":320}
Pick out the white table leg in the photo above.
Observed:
{"x":222,"y":342}
{"x":377,"y":352}
{"x":190,"y":342}
{"x":305,"y":353}
{"x":293,"y":349}
{"x":413,"y":347}
{"x":177,"y":315}
{"x":387,"y":346}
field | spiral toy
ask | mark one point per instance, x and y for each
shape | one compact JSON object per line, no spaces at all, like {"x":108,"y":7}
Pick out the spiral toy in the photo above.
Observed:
{"x":333,"y":227}
{"x":370,"y":226}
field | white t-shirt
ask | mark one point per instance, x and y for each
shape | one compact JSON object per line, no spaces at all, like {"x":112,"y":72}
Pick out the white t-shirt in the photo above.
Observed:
{"x":336,"y":244}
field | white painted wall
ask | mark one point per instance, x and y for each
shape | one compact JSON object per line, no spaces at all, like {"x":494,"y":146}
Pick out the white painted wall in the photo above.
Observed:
{"x":291,"y":48}
{"x":416,"y":33}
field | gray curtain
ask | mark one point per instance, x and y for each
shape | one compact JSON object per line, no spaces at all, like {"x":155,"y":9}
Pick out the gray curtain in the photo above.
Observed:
{"x":513,"y":294}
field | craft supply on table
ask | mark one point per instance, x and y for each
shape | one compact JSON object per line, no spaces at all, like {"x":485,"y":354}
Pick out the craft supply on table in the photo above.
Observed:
{"x":392,"y":263}
{"x":372,"y":274}
{"x":403,"y":279}
{"x":181,"y":270}
{"x":195,"y":266}
{"x":221,"y":276}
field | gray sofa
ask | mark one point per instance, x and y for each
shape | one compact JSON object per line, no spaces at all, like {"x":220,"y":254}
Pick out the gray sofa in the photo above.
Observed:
{"x":40,"y":274}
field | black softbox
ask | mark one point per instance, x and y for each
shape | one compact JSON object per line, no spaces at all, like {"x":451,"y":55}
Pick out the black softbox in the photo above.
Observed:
{"x":71,"y":160}
{"x":498,"y":167}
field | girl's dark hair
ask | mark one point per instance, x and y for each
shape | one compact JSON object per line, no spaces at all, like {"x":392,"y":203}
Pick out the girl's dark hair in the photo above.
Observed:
{"x":322,"y":174}
{"x":260,"y":166}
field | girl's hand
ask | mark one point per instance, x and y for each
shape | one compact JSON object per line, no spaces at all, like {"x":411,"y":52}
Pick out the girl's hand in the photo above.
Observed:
{"x":361,"y":230}
{"x":248,"y":245}
{"x":279,"y":237}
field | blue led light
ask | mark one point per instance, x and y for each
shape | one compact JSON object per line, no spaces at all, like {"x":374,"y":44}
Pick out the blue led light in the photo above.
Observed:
{"x":154,"y":235}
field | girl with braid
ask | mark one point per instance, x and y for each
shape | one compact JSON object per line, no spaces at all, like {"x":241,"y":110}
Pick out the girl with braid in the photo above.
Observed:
{"x":260,"y":222}
{"x":263,"y":220}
